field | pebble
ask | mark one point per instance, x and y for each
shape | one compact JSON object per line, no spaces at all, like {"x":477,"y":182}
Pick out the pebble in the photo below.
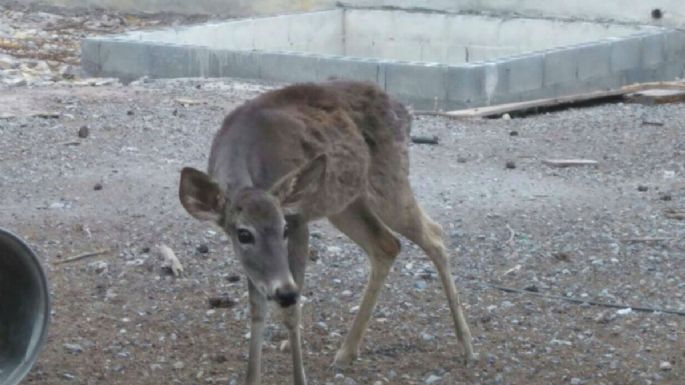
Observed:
{"x":233,"y":278}
{"x":73,"y":348}
{"x":510,"y":164}
{"x":421,"y":285}
{"x":83,"y":132}
{"x":179,"y":365}
{"x":97,"y":187}
{"x":625,"y":311}
{"x":349,"y":381}
{"x":432,"y":379}
{"x":513,"y":133}
{"x":576,"y":381}
{"x":665,"y":365}
{"x":642,"y":188}
{"x":202,"y":249}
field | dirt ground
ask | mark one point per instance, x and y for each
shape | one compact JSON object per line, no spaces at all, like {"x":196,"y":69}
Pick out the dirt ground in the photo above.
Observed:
{"x":599,"y":233}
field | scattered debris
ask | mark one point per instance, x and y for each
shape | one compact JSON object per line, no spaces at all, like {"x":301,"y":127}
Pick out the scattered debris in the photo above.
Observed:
{"x":569,"y":162}
{"x":82,"y":256}
{"x":622,"y":308}
{"x":170,"y":259}
{"x":652,"y":122}
{"x":425,"y":139}
{"x":185,"y":102}
{"x":672,"y":213}
{"x":223,"y":302}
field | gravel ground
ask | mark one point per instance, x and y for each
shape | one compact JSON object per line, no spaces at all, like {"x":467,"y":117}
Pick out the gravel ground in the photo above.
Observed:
{"x":599,"y":233}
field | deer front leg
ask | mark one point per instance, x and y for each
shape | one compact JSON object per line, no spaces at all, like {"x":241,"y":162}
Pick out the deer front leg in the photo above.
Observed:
{"x":298,"y":252}
{"x":258,"y":312}
{"x":291,"y":318}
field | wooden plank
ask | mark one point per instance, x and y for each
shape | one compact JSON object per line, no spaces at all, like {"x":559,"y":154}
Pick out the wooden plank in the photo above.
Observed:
{"x":656,"y":96}
{"x":531,"y":105}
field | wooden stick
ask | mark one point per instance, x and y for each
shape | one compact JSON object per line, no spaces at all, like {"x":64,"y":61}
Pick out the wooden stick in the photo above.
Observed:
{"x":569,"y":162}
{"x":82,"y":256}
{"x":589,"y":302}
{"x":425,"y":139}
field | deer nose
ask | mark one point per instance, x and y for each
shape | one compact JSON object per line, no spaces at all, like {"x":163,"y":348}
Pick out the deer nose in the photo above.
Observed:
{"x":286,"y":297}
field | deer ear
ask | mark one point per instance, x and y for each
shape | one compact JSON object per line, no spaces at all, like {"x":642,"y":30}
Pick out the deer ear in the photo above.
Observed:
{"x":291,"y":188}
{"x":200,"y":195}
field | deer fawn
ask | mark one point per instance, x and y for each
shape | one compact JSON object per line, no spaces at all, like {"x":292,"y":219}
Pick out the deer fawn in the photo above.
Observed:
{"x":337,"y":150}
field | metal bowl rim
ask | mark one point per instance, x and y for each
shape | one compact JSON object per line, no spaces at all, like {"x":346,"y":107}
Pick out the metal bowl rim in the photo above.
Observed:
{"x":26,"y":365}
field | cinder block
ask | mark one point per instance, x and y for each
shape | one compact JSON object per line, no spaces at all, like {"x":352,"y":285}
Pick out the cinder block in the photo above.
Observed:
{"x":125,"y":59}
{"x":90,"y":57}
{"x":675,"y":46}
{"x":465,"y":85}
{"x":347,"y":68}
{"x":520,"y":74}
{"x":653,"y":50}
{"x":593,"y":61}
{"x":169,"y":61}
{"x":236,"y":64}
{"x":561,"y":67}
{"x":626,"y":53}
{"x":420,"y":83}
{"x":288,"y":66}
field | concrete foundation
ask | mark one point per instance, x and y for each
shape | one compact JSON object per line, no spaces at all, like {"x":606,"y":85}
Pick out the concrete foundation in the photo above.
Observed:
{"x":442,"y":59}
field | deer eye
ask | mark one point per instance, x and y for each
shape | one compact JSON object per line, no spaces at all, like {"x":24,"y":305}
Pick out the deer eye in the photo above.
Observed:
{"x":245,"y":237}
{"x":286,"y":231}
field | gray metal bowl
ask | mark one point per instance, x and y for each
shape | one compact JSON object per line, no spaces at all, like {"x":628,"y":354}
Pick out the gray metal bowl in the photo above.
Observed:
{"x":24,"y":308}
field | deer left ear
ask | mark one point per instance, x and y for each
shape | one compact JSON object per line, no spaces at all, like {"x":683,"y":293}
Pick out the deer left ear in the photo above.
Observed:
{"x":294,"y":186}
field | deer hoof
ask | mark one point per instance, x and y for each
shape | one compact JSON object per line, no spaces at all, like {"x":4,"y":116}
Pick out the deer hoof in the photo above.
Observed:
{"x":343,"y":359}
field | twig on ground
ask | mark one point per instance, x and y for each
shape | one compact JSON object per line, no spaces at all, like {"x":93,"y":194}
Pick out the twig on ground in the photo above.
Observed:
{"x":646,"y":239}
{"x":569,"y":162}
{"x":82,"y":256}
{"x":643,"y":309}
{"x":425,"y":139}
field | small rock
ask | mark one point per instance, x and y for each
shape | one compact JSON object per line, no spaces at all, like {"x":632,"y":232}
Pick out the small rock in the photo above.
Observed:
{"x":625,"y":311}
{"x":665,"y":197}
{"x":531,"y":288}
{"x":427,"y":337}
{"x":130,"y":112}
{"x":83,"y":132}
{"x":510,"y":164}
{"x":349,"y":381}
{"x":461,"y":159}
{"x":335,"y":250}
{"x":421,"y":285}
{"x":642,"y":188}
{"x":202,"y":249}
{"x":665,"y":365}
{"x":506,"y":117}
{"x":432,"y":379}
{"x":576,"y":381}
{"x":223,"y":302}
{"x":233,"y":278}
{"x":73,"y":348}
{"x":97,"y":187}
{"x":513,"y":133}
{"x":179,"y":365}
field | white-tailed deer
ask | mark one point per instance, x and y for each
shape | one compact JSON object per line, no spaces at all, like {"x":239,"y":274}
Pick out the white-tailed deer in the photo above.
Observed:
{"x":337,"y":150}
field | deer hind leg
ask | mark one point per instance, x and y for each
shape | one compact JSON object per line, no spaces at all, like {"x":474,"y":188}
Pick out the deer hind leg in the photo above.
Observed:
{"x":361,"y":225}
{"x":413,"y":223}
